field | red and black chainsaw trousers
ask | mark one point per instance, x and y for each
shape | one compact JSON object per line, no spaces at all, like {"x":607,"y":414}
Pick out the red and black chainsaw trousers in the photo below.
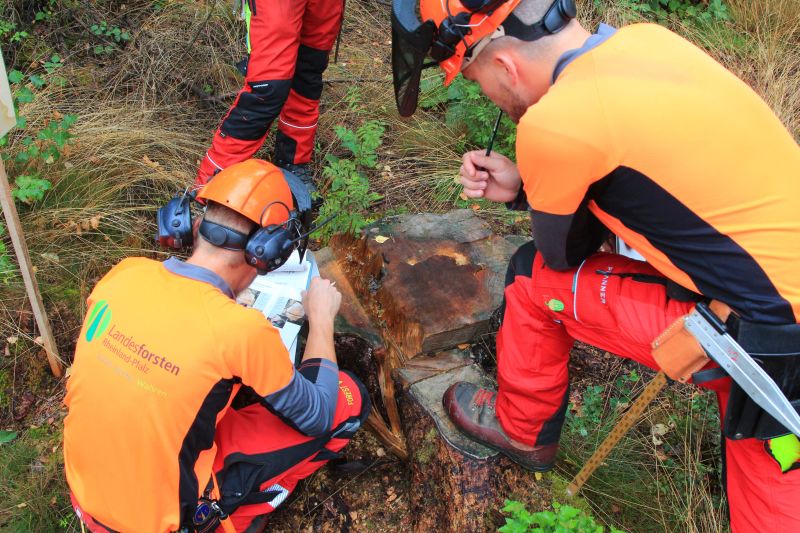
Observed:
{"x":261,"y":459}
{"x":547,"y":310}
{"x":289,"y":42}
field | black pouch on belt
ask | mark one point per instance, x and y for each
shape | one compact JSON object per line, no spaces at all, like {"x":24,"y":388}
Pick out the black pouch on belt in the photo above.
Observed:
{"x":777,"y":349}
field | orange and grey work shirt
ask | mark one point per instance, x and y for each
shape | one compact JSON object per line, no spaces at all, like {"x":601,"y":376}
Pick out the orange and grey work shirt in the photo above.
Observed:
{"x":162,"y":351}
{"x":674,"y":154}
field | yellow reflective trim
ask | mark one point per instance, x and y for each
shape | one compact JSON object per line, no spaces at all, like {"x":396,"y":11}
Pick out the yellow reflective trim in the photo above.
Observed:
{"x":785,"y":450}
{"x":247,"y":16}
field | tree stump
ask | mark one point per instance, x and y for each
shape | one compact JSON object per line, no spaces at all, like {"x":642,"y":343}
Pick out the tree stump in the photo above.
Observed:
{"x":413,"y":286}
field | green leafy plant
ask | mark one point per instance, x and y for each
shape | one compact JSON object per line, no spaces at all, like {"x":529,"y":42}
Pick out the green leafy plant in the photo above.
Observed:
{"x":469,"y":112}
{"x":35,"y":151}
{"x":9,"y":32}
{"x":348,"y":194}
{"x":563,"y":518}
{"x":106,"y":32}
{"x":685,"y":10}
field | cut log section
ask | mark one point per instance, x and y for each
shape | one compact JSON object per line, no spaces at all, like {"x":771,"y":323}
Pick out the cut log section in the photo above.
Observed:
{"x":413,"y":286}
{"x":434,"y":279}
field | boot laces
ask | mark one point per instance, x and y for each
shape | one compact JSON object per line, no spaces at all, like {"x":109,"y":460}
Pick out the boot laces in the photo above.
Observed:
{"x":483,"y":398}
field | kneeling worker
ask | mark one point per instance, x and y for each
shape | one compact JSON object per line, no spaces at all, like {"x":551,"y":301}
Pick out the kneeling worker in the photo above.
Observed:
{"x":151,"y":441}
{"x":639,"y":132}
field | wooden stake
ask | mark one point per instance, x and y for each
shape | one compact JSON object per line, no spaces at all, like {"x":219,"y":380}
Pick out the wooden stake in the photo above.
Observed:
{"x":625,"y":423}
{"x":25,"y":267}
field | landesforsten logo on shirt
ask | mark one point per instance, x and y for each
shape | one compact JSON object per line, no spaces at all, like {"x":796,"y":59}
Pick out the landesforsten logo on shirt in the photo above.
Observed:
{"x":124,"y":346}
{"x":99,"y":319}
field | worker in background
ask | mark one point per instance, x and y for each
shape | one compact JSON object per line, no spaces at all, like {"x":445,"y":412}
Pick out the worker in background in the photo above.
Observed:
{"x":288,"y":42}
{"x":152,"y":442}
{"x":637,"y":131}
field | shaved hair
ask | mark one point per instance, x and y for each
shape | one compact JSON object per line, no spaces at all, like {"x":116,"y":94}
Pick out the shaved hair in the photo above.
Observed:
{"x":529,"y":12}
{"x":224,"y":216}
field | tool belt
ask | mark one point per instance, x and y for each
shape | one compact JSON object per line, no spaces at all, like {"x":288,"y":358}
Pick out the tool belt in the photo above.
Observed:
{"x":775,"y":347}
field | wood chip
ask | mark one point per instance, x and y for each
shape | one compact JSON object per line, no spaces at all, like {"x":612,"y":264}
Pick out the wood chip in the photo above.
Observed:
{"x":380,"y":239}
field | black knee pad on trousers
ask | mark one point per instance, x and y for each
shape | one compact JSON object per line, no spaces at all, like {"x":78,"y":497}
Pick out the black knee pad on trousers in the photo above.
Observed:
{"x":311,"y":63}
{"x":251,"y":117}
{"x":521,"y":263}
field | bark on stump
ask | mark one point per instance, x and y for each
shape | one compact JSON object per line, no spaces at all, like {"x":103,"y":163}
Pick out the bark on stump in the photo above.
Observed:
{"x":412,"y":286}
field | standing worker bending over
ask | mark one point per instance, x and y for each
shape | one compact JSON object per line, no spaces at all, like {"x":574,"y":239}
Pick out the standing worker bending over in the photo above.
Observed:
{"x":638,"y":131}
{"x":288,"y":42}
{"x":151,"y":442}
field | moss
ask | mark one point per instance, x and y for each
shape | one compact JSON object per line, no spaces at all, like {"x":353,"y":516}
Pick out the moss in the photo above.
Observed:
{"x":427,"y":450}
{"x":5,"y":383}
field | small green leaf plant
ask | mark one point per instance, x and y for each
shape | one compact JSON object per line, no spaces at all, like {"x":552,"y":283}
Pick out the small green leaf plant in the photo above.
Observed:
{"x":691,"y":11}
{"x":113,"y":36}
{"x":9,"y":33}
{"x":468,"y":111}
{"x":348,"y":194}
{"x":35,"y":150}
{"x":562,"y":519}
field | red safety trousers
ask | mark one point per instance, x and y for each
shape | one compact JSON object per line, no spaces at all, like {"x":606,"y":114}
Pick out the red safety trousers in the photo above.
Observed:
{"x":547,"y":310}
{"x":290,"y":41}
{"x":261,"y":458}
{"x":256,"y":448}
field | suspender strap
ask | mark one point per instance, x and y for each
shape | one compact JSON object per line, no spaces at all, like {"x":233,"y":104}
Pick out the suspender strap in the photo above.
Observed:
{"x":226,"y":524}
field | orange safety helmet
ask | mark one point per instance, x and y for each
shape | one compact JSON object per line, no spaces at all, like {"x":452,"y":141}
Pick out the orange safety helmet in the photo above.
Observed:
{"x":255,"y":189}
{"x":453,"y":32}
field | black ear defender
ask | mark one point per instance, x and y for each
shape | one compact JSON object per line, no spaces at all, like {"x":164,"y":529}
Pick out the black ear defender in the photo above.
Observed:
{"x":559,"y":15}
{"x":265,"y":248}
{"x":222,"y":236}
{"x":269,"y":247}
{"x":175,"y":222}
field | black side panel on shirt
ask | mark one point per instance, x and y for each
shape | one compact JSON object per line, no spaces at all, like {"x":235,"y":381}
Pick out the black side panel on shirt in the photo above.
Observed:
{"x":566,"y":240}
{"x":200,"y":437}
{"x":720,"y":268}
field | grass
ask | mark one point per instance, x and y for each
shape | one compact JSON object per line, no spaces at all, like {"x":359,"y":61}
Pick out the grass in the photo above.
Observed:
{"x":664,"y":471}
{"x":146,"y":115}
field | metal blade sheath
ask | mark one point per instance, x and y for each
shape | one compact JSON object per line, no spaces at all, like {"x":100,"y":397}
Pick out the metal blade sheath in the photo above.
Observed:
{"x":723,"y":349}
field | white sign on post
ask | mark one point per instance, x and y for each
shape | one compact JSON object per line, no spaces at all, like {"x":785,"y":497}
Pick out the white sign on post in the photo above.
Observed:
{"x":8,"y":120}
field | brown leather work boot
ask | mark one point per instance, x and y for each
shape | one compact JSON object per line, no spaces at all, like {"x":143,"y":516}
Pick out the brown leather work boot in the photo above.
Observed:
{"x":472,"y":411}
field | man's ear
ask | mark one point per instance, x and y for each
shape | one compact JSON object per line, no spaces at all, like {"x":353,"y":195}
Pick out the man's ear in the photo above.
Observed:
{"x":195,"y":226}
{"x":506,"y":62}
